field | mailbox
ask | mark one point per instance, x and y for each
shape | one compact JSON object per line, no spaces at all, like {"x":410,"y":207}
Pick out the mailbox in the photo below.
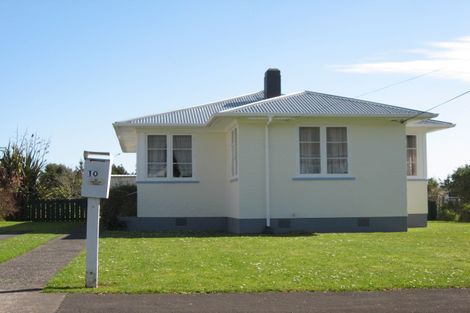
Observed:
{"x":96,"y":174}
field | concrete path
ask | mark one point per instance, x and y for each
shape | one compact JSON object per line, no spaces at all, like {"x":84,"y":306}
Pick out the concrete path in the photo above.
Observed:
{"x":22,"y":278}
{"x":429,"y":301}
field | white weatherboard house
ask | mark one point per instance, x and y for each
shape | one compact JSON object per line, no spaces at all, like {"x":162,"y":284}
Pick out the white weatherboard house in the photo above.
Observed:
{"x":305,"y":161}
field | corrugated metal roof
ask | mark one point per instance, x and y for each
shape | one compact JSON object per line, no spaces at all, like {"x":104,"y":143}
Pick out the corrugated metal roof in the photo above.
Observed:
{"x":198,"y":115}
{"x":306,"y":103}
{"x":319,"y":104}
{"x":431,"y":123}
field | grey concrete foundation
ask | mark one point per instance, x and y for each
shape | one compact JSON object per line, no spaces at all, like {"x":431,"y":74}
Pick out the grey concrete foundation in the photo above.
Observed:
{"x":278,"y":226}
{"x":417,"y":220}
{"x":216,"y":224}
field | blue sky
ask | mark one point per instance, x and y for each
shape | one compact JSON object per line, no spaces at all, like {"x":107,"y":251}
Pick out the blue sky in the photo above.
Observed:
{"x":69,"y":69}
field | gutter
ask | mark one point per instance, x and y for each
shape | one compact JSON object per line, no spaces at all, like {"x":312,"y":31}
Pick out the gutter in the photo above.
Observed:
{"x":267,"y":173}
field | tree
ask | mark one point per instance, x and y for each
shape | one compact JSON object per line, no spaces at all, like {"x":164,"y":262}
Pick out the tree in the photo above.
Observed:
{"x":58,"y":181}
{"x":21,"y":164}
{"x":434,"y":190}
{"x":458,"y":184}
{"x":118,"y":170}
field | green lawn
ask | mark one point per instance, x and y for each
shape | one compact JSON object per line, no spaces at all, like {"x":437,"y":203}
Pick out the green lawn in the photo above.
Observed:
{"x":33,"y":234}
{"x":434,"y":257}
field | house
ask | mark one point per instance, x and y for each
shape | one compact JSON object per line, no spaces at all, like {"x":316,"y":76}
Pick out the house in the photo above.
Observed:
{"x":305,"y":161}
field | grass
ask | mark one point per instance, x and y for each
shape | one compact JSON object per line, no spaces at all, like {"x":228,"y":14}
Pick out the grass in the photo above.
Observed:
{"x":434,"y":257}
{"x":32,"y":235}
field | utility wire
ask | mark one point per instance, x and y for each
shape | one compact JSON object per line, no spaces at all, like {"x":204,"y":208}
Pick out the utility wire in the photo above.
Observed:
{"x":398,"y":83}
{"x":442,"y":103}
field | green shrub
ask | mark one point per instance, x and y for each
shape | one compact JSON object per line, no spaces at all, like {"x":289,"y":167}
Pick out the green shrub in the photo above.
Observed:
{"x":432,"y":210}
{"x":445,"y":214}
{"x":122,"y":201}
{"x":465,"y":213}
{"x":8,"y":205}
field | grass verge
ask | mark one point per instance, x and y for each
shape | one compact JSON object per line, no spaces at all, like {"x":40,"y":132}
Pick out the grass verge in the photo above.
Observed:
{"x":432,"y":257}
{"x":31,"y":235}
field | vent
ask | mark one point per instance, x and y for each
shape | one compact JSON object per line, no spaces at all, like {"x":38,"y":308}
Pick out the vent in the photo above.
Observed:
{"x":363,"y":222}
{"x":181,"y":222}
{"x":284,"y":223}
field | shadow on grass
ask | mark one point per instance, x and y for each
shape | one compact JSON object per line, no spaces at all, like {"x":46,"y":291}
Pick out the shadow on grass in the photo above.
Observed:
{"x":42,"y":228}
{"x":193,"y":234}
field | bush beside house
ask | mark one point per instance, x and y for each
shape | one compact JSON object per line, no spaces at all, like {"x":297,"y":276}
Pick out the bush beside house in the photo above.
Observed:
{"x":451,"y":197}
{"x":122,"y":202}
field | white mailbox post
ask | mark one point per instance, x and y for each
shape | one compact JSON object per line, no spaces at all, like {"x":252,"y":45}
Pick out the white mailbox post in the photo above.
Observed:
{"x":95,"y":185}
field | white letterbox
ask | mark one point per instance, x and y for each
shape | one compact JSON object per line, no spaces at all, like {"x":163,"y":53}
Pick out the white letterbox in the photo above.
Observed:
{"x":96,"y":174}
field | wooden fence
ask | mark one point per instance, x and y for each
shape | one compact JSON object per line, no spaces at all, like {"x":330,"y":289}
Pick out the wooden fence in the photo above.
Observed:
{"x":56,"y":210}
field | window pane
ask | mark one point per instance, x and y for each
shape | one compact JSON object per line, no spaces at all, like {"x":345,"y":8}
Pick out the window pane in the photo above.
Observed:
{"x":411,"y":169}
{"x":337,"y":166}
{"x":182,"y":142}
{"x":156,"y":142}
{"x":182,"y":170}
{"x":411,"y":159}
{"x":309,"y":133}
{"x":156,"y":155}
{"x":156,"y":170}
{"x":411,"y":162}
{"x":310,"y":150}
{"x":309,"y":166}
{"x":337,"y":149}
{"x":182,"y":156}
{"x":411,"y":155}
{"x":336,"y":134}
{"x":411,"y":141}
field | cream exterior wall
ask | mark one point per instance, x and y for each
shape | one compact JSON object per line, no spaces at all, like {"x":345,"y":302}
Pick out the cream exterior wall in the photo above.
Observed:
{"x":201,"y":196}
{"x":417,"y":200}
{"x":417,"y":191}
{"x":377,"y":158}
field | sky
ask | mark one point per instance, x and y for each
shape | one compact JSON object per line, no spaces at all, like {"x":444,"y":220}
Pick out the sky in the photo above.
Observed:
{"x":69,"y":69}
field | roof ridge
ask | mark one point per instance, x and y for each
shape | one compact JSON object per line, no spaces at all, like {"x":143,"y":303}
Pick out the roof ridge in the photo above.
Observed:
{"x":192,"y":107}
{"x":262,"y":101}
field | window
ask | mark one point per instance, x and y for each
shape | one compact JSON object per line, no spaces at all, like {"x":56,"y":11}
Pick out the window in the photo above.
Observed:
{"x":411,"y":169}
{"x":337,"y":150}
{"x":234,"y":152}
{"x":314,"y":141}
{"x":156,"y":156}
{"x":309,"y":145}
{"x":182,"y":156}
{"x":178,"y":148}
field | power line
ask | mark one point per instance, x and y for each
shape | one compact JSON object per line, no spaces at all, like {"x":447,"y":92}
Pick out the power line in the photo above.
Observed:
{"x":442,"y":103}
{"x":397,"y":83}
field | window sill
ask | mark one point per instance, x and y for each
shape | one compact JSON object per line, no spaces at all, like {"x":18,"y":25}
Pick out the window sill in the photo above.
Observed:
{"x":169,"y":181}
{"x":416,"y":178}
{"x":324,"y":177}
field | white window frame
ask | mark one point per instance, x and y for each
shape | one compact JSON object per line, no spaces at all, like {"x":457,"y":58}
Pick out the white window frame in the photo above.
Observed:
{"x":234,"y":169}
{"x":169,"y":158}
{"x":323,"y":153}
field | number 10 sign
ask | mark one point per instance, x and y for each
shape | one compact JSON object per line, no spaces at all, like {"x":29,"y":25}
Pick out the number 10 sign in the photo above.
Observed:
{"x":96,"y":175}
